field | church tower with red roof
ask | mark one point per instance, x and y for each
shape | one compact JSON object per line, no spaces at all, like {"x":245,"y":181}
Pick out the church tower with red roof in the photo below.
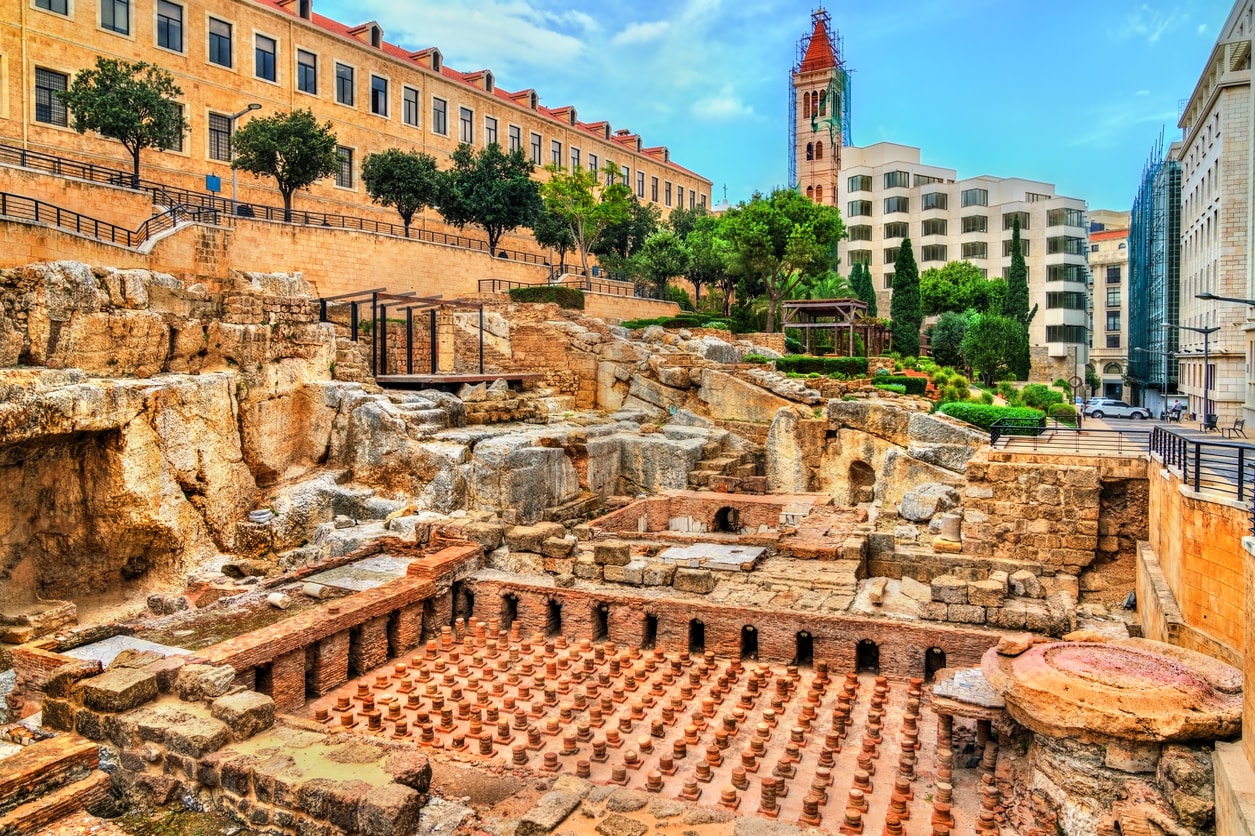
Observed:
{"x":819,"y":112}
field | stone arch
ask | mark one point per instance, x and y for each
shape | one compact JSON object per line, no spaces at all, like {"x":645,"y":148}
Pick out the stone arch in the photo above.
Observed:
{"x":819,"y":150}
{"x":553,"y":618}
{"x":601,"y":622}
{"x":649,"y":632}
{"x":810,"y":150}
{"x":1112,"y":368}
{"x":749,"y":643}
{"x":463,"y":603}
{"x":867,"y":657}
{"x":862,"y":482}
{"x":727,"y":520}
{"x":934,"y":660}
{"x":697,"y":636}
{"x":804,"y":654}
{"x":509,"y":610}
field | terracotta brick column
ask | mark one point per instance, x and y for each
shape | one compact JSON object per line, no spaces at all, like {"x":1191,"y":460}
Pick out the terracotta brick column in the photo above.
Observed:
{"x":287,"y":680}
{"x":330,"y":663}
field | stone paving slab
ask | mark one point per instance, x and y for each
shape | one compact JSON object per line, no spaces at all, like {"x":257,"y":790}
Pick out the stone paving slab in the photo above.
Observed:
{"x":726,"y":558}
{"x":365,"y":574}
{"x":106,"y":650}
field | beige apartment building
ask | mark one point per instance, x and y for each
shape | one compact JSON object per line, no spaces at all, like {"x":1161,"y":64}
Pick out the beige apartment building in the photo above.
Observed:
{"x":1109,"y":317}
{"x":887,"y":195}
{"x":1217,"y":221}
{"x":281,"y":55}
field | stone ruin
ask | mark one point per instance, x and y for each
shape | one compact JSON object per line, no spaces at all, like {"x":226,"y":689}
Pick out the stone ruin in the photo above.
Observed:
{"x":655,"y":585}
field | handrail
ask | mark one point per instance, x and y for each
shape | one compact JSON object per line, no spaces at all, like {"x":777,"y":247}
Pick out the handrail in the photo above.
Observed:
{"x":38,"y":211}
{"x":602,"y":287}
{"x":1225,"y":467}
{"x":1015,"y":426}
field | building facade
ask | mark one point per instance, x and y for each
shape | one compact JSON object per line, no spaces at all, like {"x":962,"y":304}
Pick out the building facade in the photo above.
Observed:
{"x":1217,"y":159}
{"x":886,"y":195}
{"x":819,"y":112}
{"x":1109,"y":268}
{"x":281,"y":55}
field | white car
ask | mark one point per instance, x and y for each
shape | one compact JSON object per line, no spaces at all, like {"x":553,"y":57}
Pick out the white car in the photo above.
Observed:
{"x":1107,"y":408}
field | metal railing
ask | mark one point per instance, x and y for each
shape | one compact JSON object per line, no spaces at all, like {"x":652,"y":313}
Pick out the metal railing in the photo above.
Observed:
{"x":1223,"y":467}
{"x":30,"y":209}
{"x":1052,"y":437}
{"x":1004,"y":427}
{"x":603,"y":287}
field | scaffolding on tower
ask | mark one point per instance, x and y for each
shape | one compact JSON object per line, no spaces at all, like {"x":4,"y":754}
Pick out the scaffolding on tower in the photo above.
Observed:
{"x":838,"y":88}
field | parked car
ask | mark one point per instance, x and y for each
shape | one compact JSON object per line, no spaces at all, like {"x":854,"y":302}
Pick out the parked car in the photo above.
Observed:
{"x":1109,"y":408}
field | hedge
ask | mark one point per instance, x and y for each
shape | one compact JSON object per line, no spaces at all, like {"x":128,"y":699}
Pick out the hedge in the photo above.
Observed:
{"x":805,"y":364}
{"x":1063,"y":413}
{"x":911,"y":385}
{"x":892,"y":387}
{"x":984,"y":415}
{"x":564,"y":297}
{"x":684,"y":319}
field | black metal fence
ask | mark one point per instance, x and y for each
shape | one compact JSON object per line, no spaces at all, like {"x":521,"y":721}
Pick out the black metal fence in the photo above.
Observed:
{"x":1223,"y":467}
{"x":29,"y":209}
{"x":604,"y":287}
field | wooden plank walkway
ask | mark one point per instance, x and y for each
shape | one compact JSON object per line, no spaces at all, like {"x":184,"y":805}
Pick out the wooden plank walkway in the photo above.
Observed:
{"x":439,"y":381}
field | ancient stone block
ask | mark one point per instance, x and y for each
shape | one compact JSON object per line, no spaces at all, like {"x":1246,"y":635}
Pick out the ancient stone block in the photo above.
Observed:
{"x":549,"y":812}
{"x":586,"y":569}
{"x":985,"y":593}
{"x":612,"y":552}
{"x":947,"y":589}
{"x":1133,"y":757}
{"x":197,"y":736}
{"x":1025,"y":584}
{"x":1065,"y":583}
{"x":1000,"y":578}
{"x":659,"y":574}
{"x":120,"y":689}
{"x":409,"y":768}
{"x":199,"y":682}
{"x":933,"y":611}
{"x":335,"y":801}
{"x":245,"y":713}
{"x":58,"y":714}
{"x":1186,"y":775}
{"x":915,"y":590}
{"x":89,"y":724}
{"x":947,"y":546}
{"x":389,"y":810}
{"x":965,"y":614}
{"x":559,"y":546}
{"x":488,"y":534}
{"x":531,"y":538}
{"x":923,"y":502}
{"x":1010,"y":616}
{"x":876,"y":590}
{"x":701,"y":581}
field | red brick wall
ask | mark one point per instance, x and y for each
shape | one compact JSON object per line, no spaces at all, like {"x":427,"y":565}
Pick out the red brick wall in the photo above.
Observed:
{"x":330,"y":660}
{"x":368,"y":645}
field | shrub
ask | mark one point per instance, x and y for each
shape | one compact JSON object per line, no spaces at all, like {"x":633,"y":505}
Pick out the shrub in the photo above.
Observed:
{"x":755,"y":358}
{"x":1008,"y":392}
{"x":680,"y":296}
{"x":892,"y":387}
{"x":793,"y":346}
{"x":1060,"y":383}
{"x":1040,"y":396}
{"x":563,"y":297}
{"x":986,"y":397}
{"x":1063,"y":413}
{"x":910,"y":385}
{"x":806,"y":364}
{"x":984,"y":415}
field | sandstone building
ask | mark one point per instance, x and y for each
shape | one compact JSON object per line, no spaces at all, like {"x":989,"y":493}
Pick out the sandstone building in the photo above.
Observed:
{"x":281,"y":54}
{"x":1109,"y":264}
{"x":819,"y":112}
{"x":886,"y":194}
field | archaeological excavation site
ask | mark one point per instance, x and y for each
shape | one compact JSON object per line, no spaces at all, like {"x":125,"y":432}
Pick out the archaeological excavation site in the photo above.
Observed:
{"x":387,"y":565}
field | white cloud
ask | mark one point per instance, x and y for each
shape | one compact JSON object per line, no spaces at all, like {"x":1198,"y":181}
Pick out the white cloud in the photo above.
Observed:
{"x":1201,"y":30}
{"x":1149,"y":24}
{"x":723,"y":105}
{"x":640,"y":33}
{"x":1143,"y":93}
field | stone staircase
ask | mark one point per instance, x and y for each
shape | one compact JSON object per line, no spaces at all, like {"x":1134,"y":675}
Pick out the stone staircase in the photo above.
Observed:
{"x":351,"y":363}
{"x":727,"y":471}
{"x":47,"y":781}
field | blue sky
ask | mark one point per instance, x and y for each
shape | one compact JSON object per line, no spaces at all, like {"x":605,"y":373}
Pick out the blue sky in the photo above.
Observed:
{"x":1063,"y":91}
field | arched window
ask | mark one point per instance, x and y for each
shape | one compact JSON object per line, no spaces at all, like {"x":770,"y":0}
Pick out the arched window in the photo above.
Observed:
{"x":810,"y":150}
{"x":823,"y":103}
{"x":819,"y":150}
{"x":810,"y":192}
{"x":806,"y":105}
{"x":1111,"y":368}
{"x":819,"y":194}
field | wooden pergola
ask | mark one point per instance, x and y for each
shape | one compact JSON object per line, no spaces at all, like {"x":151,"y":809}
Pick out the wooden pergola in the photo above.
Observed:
{"x":844,"y":317}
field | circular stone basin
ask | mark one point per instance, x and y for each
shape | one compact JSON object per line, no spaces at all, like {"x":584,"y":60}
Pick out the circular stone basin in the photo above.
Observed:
{"x":1127,"y":690}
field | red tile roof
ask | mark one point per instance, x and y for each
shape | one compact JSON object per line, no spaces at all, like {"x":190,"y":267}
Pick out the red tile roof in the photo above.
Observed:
{"x":1108,"y":234}
{"x":819,"y":55}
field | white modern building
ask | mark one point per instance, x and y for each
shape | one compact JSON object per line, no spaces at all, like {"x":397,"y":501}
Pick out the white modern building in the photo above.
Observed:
{"x":886,"y":195}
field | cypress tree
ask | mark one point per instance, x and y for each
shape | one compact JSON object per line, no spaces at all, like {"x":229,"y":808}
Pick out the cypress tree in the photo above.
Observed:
{"x":861,"y":281}
{"x":1015,"y":304}
{"x":905,"y":309}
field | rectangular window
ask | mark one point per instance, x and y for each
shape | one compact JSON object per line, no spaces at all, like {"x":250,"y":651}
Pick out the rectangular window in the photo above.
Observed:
{"x":1065,"y":244}
{"x":610,"y":169}
{"x":891,"y":255}
{"x":177,"y":145}
{"x":466,"y":125}
{"x":1065,"y":217}
{"x":490,"y":130}
{"x":1008,"y":219}
{"x":344,"y":174}
{"x":264,"y":51}
{"x":897,"y":204}
{"x":344,"y":85}
{"x":219,"y":42}
{"x":640,"y":184}
{"x":934,"y":226}
{"x":1067,"y":334}
{"x":859,"y":208}
{"x":703,"y":200}
{"x":897,"y":180}
{"x":535,"y":143}
{"x":1113,"y":274}
{"x":516,"y":138}
{"x":666,"y":190}
{"x":975,"y":197}
{"x":889,"y":281}
{"x":862,"y":232}
{"x":860,"y":256}
{"x":61,"y":7}
{"x":1113,"y":321}
{"x":898,"y":229}
{"x":1007,"y":270}
{"x":409,"y":106}
{"x":575,"y":158}
{"x":1113,"y":341}
{"x":555,"y":151}
{"x":440,"y":117}
{"x":49,"y":108}
{"x":219,"y":137}
{"x":976,"y":223}
{"x":935,"y":200}
{"x":1069,"y":299}
{"x":378,"y":95}
{"x":625,"y":176}
{"x":692,"y":199}
{"x":307,"y":72}
{"x":169,"y":25}
{"x":1006,"y":248}
{"x":975,"y":249}
{"x":115,"y":15}
{"x":1113,"y":297}
{"x":933,"y":252}
{"x":653,"y":189}
{"x":861,"y":183}
{"x":926,"y":180}
{"x":592,"y":163}
{"x":1065,"y":273}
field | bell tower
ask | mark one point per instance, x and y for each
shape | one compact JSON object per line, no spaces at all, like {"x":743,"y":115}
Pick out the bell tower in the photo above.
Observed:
{"x":819,"y":112}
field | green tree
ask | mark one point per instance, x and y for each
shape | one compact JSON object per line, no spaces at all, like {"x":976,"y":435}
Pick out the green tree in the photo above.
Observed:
{"x":662,"y":256}
{"x":990,"y":345}
{"x":830,"y":285}
{"x":405,"y":180}
{"x":781,"y":242}
{"x":586,"y":206}
{"x":946,"y":341}
{"x":960,"y":286}
{"x":621,"y":241}
{"x":709,"y":251}
{"x":491,"y":190}
{"x":136,"y":104}
{"x":552,"y":232}
{"x":861,"y":284}
{"x":683,"y":221}
{"x":290,"y":147}
{"x":1015,"y":305}
{"x":904,"y":308}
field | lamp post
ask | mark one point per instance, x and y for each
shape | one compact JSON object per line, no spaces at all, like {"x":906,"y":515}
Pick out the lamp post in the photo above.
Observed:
{"x":1211,"y":297}
{"x":1206,"y":332}
{"x":231,"y":128}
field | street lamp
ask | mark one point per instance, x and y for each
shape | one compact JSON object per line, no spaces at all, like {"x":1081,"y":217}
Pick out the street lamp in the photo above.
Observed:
{"x":1206,"y":332}
{"x":1211,"y":297}
{"x":231,"y":128}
